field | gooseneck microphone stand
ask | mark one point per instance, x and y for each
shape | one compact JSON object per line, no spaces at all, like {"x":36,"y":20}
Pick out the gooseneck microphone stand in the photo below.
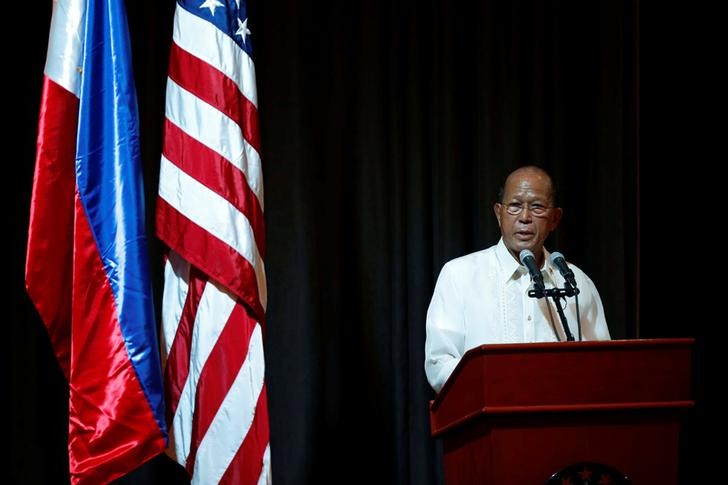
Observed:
{"x":556,"y":294}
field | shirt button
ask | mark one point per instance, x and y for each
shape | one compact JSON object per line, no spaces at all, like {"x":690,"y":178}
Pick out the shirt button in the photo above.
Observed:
{"x":529,"y":318}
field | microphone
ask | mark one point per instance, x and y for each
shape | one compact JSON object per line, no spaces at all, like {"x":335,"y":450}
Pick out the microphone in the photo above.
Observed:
{"x":529,"y":261}
{"x":557,"y":259}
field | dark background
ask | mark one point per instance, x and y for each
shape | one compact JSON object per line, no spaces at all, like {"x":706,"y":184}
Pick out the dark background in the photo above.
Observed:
{"x":387,"y":128}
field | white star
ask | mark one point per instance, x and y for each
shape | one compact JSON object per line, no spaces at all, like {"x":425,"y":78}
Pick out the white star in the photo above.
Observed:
{"x":212,"y":5}
{"x":243,"y":30}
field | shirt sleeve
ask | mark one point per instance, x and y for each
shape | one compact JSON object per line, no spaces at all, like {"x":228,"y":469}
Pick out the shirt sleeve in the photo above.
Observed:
{"x":445,"y":328}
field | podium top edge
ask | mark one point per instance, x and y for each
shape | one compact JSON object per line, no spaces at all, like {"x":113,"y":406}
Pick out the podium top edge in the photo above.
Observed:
{"x":577,"y":346}
{"x":536,"y":348}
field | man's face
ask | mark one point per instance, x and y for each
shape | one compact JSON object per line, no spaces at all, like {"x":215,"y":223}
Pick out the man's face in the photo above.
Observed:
{"x":530,"y":191}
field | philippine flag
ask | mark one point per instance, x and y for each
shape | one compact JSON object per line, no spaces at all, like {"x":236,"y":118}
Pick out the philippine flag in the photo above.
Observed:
{"x":87,"y":268}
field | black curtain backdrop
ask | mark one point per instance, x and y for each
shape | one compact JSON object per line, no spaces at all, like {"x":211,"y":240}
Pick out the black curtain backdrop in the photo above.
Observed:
{"x":387,"y":128}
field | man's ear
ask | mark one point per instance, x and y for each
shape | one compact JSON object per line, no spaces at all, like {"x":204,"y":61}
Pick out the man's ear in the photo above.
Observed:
{"x":496,"y":209}
{"x":556,"y":217}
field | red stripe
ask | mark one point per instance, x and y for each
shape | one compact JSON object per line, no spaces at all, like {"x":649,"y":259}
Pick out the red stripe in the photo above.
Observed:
{"x":217,"y":174}
{"x":247,"y":465}
{"x":107,"y":406}
{"x":221,"y":368}
{"x":178,"y":362}
{"x":218,"y":260}
{"x":216,"y":89}
{"x":48,"y":269}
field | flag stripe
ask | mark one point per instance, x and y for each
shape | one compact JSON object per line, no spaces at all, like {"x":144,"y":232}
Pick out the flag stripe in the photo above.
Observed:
{"x":208,"y":210}
{"x":213,"y":313}
{"x":177,"y":368}
{"x":217,"y":49}
{"x":217,"y":90}
{"x":230,"y":267}
{"x":50,"y":232}
{"x":265,"y":473}
{"x":215,"y":216}
{"x":217,"y":174}
{"x":174,"y":298}
{"x":98,"y":375}
{"x":220,"y":444}
{"x":111,"y":189}
{"x":215,"y":130}
{"x":219,"y":372}
{"x":253,"y":458}
{"x":65,"y":46}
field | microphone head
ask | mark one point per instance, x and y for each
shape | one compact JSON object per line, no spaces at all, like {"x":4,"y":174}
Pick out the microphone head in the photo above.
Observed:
{"x":559,"y":261}
{"x":525,"y":254}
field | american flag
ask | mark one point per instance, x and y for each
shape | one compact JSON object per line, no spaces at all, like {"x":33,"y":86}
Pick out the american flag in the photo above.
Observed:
{"x":210,"y":215}
{"x":87,"y":267}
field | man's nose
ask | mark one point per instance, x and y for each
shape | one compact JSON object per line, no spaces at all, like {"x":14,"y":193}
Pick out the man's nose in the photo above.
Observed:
{"x":525,"y":214}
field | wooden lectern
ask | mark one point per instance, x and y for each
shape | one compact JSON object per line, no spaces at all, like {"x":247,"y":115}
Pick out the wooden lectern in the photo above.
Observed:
{"x":518,"y":413}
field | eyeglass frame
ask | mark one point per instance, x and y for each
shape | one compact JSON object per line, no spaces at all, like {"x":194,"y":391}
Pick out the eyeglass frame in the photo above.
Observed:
{"x":530,"y":205}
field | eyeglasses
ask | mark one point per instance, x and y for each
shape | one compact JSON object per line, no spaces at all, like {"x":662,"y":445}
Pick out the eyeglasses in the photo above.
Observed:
{"x":515,"y":208}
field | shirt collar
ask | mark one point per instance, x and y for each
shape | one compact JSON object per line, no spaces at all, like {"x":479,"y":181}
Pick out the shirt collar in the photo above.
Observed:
{"x":509,"y":266}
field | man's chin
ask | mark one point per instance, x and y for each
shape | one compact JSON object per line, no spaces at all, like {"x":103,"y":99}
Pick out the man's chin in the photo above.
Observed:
{"x":518,"y":246}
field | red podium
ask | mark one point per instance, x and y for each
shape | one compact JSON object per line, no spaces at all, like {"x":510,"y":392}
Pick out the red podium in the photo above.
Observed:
{"x":518,"y":413}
